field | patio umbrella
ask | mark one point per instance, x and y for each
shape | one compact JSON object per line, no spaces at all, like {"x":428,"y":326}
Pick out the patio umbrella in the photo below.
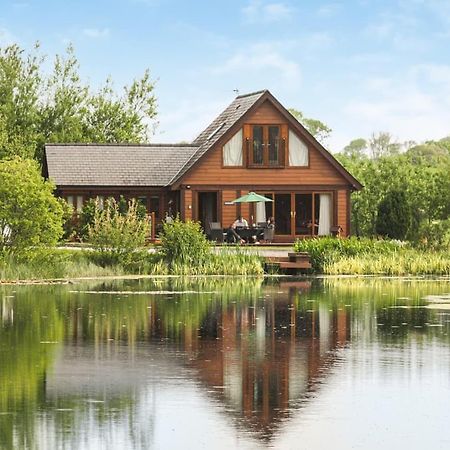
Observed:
{"x":252,"y":197}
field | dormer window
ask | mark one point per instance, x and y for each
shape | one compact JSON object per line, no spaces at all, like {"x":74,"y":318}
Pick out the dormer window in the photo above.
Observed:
{"x":265,"y":148}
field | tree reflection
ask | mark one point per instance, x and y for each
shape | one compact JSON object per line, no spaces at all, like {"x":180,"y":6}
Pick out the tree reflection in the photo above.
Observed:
{"x":77,"y":361}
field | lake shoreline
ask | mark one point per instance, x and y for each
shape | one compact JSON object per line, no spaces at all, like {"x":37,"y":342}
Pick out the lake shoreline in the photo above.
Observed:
{"x":75,"y":280}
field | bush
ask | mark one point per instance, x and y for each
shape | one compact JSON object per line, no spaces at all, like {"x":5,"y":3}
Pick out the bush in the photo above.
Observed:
{"x":325,"y":250}
{"x":394,"y":215}
{"x":30,"y":215}
{"x":184,"y":244}
{"x":116,"y":237}
{"x":435,"y":235}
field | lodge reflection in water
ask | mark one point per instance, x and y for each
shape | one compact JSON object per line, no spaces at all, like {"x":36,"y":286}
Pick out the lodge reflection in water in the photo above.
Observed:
{"x":265,"y":358}
{"x":259,"y":352}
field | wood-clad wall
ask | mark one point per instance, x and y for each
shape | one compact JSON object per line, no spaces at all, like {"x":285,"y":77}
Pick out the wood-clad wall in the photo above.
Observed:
{"x":186,"y":202}
{"x":229,"y":212}
{"x":210,"y":171}
{"x":342,"y":217}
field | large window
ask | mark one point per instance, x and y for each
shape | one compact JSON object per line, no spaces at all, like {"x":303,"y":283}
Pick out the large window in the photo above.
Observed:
{"x":265,"y":147}
{"x":298,"y":151}
{"x":232,"y":151}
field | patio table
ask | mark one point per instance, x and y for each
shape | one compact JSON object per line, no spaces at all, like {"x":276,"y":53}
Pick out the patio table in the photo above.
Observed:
{"x":248,"y":233}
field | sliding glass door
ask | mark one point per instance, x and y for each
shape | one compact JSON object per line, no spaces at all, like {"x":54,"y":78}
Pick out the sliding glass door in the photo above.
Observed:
{"x":302,"y":213}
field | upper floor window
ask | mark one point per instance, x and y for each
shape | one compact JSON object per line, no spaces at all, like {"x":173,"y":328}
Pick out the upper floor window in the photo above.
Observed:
{"x":232,"y":151}
{"x":298,"y":151}
{"x":265,"y":147}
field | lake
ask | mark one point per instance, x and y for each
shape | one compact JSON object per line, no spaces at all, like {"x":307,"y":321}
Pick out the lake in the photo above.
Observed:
{"x":288,"y":363}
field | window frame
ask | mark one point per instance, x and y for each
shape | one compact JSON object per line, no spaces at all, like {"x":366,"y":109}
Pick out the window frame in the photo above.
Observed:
{"x":249,"y":145}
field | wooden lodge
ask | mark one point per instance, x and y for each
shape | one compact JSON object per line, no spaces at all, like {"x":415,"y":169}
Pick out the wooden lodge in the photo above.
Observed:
{"x":255,"y":144}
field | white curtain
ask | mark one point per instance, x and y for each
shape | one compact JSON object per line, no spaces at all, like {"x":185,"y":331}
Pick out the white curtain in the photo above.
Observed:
{"x":298,"y":151}
{"x":324,"y":215}
{"x":260,"y":212}
{"x":232,"y":150}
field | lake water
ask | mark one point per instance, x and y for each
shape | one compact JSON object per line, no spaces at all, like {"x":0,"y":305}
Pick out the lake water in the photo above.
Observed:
{"x":226,"y":363}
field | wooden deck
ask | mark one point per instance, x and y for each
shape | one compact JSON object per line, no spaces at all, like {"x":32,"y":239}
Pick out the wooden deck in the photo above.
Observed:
{"x":293,"y":262}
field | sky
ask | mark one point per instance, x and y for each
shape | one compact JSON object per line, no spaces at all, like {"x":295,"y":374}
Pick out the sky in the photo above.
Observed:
{"x":360,"y":66}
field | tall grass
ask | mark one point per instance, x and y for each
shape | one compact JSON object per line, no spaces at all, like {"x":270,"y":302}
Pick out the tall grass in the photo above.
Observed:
{"x":52,"y":264}
{"x":364,"y":256}
{"x":405,"y":262}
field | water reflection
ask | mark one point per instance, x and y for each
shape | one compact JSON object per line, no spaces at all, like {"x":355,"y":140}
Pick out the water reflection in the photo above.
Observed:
{"x":80,"y":368}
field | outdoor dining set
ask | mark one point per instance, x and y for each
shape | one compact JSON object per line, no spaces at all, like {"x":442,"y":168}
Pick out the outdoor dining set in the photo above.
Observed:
{"x":241,"y":231}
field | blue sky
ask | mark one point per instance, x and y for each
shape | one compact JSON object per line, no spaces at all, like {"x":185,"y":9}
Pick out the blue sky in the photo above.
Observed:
{"x":358,"y":65}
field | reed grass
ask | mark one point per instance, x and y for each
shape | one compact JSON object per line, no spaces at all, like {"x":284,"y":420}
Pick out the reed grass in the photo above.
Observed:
{"x":404,"y":262}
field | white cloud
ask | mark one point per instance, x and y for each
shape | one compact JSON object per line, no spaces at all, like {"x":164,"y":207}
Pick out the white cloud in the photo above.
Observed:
{"x":258,"y":11}
{"x":415,"y":106}
{"x":258,"y":59}
{"x":96,"y":33}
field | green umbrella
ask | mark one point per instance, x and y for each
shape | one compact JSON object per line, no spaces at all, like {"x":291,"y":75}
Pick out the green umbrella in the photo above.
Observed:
{"x":251,"y":197}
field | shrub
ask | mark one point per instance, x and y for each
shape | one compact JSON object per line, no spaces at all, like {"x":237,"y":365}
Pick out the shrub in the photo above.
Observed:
{"x":435,"y":235}
{"x":394,"y":215}
{"x":325,"y":250}
{"x":116,"y":237}
{"x":30,"y":215}
{"x":184,"y":244}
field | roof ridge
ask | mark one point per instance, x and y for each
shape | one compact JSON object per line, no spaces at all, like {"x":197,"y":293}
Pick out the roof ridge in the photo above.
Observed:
{"x":262,"y":91}
{"x":118,"y":144}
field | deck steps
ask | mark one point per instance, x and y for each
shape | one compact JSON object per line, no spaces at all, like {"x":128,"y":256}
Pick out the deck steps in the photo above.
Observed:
{"x":292,"y":262}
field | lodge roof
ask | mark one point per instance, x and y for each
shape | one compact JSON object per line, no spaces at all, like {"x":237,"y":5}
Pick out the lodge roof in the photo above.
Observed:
{"x":160,"y":165}
{"x":116,"y":164}
{"x":211,"y":134}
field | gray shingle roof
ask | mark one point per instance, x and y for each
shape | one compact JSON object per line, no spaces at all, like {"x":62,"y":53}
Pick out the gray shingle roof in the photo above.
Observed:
{"x":210,"y":135}
{"x":116,"y":164}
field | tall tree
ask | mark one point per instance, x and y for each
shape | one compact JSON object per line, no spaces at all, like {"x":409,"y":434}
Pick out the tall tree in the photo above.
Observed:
{"x":382,"y":144}
{"x":355,"y":149}
{"x":317,"y":128}
{"x":36,"y":107}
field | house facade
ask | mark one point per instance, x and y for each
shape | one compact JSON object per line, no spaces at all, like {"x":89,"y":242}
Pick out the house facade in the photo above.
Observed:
{"x":255,"y":144}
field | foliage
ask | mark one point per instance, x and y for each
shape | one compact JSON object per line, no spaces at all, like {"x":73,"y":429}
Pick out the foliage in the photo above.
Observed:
{"x":425,"y":182}
{"x":365,"y":256}
{"x":115,"y":236}
{"x":355,"y":149}
{"x":184,"y":244}
{"x":86,"y":217}
{"x":30,"y":215}
{"x":394,"y":217}
{"x":37,"y":107}
{"x":317,"y":128}
{"x":404,"y":262}
{"x":435,"y":235}
{"x":382,"y":144}
{"x":325,"y":250}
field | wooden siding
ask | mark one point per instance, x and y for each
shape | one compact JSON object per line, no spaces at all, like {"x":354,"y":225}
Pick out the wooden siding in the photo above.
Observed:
{"x":342,"y":211}
{"x":210,"y":171}
{"x":265,"y":114}
{"x":186,"y":195}
{"x":229,"y":212}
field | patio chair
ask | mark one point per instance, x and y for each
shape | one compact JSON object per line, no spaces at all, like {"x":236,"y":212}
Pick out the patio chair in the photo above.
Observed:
{"x":268,"y":234}
{"x":215,"y":232}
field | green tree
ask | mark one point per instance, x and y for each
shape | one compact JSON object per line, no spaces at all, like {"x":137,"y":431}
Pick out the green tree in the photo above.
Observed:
{"x":394,"y":215}
{"x":36,"y":107}
{"x":382,"y":144}
{"x":317,"y":128}
{"x":30,"y":215}
{"x":355,"y":149}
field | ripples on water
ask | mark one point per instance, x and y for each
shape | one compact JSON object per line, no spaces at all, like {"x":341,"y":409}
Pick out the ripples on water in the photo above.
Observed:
{"x":226,"y":364}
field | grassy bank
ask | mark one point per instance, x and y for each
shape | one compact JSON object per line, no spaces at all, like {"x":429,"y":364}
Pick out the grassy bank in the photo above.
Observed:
{"x":365,"y":256}
{"x":66,"y":264}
